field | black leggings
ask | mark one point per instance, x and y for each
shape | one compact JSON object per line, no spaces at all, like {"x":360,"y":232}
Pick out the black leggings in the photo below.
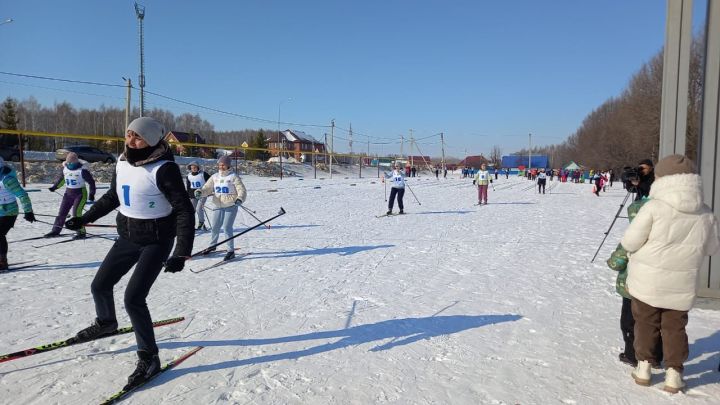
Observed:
{"x":5,"y":224}
{"x":121,"y":257}
{"x":400,"y":193}
{"x":541,"y":186}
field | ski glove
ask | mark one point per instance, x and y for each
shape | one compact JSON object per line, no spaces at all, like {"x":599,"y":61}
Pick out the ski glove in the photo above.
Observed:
{"x":74,"y":223}
{"x":238,"y":202}
{"x":52,"y":189}
{"x":174,"y":264}
{"x":29,"y":216}
{"x":473,"y":182}
{"x":198,"y":194}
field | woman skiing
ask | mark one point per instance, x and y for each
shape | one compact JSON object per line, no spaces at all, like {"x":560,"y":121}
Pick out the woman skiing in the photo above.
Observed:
{"x":154,"y":210}
{"x":482,"y":180}
{"x":10,"y":189}
{"x":73,"y":176}
{"x":228,"y":193}
{"x":195,"y":180}
{"x":397,"y":189}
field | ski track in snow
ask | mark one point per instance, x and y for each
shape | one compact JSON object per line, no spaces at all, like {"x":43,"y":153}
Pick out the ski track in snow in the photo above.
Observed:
{"x":451,"y":303}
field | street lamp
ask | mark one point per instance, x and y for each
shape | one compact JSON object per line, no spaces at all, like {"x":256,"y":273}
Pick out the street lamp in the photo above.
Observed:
{"x":282,"y":141}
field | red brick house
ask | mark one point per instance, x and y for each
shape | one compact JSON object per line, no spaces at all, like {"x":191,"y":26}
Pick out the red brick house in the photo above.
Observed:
{"x":185,"y":137}
{"x":297,"y":144}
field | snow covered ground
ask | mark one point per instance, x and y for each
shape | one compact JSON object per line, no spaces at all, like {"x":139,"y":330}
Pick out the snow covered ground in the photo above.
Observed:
{"x":449,"y":304}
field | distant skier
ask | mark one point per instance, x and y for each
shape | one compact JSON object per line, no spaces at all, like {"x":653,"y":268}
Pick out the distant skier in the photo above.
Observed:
{"x":10,"y":190}
{"x":195,"y":180}
{"x":397,"y":189}
{"x":482,"y":180}
{"x":541,"y":180}
{"x":228,"y":193}
{"x":147,"y":189}
{"x":73,"y":176}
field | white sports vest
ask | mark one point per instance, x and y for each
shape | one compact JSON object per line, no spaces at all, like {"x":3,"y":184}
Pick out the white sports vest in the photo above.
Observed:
{"x":73,"y":178}
{"x":224,"y":185}
{"x":196,"y":180}
{"x":397,"y":179}
{"x":6,"y":197}
{"x":137,"y":190}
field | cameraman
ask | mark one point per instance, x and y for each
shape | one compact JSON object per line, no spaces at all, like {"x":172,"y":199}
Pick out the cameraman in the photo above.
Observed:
{"x":646,"y":172}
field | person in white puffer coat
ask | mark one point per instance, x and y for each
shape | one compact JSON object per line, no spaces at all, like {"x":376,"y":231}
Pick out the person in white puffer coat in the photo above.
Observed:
{"x":667,"y":244}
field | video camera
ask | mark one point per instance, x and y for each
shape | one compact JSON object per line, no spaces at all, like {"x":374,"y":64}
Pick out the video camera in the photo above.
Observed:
{"x":628,"y":175}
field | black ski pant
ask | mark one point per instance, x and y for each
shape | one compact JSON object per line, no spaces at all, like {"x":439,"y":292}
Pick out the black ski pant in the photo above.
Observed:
{"x":6,"y":223}
{"x":121,"y":257}
{"x":541,"y":186}
{"x":400,"y":192}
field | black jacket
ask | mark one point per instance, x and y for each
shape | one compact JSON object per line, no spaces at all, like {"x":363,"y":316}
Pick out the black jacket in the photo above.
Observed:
{"x":179,"y":223}
{"x":643,"y":188}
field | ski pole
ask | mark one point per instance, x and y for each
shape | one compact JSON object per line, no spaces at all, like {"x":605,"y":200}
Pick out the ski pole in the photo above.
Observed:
{"x":101,"y":226}
{"x":209,"y":248}
{"x":87,"y":233}
{"x":413,"y":193}
{"x":207,"y":216}
{"x":249,"y":211}
{"x":385,"y":185}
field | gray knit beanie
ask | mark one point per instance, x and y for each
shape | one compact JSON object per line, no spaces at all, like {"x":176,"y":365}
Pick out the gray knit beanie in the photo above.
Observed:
{"x":224,"y":160}
{"x":149,"y":129}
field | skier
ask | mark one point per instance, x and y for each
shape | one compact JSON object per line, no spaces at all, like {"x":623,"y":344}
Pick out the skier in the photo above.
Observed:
{"x":482,"y":180}
{"x":541,"y":180}
{"x":10,"y":189}
{"x":147,"y":188}
{"x":397,"y":189}
{"x":228,"y":193}
{"x":597,"y":179}
{"x":73,"y":176}
{"x":195,"y":180}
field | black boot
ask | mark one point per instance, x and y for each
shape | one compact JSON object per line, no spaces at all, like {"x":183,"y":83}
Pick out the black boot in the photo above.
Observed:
{"x":628,"y":359}
{"x":51,"y":234}
{"x":80,"y":235}
{"x":148,"y":365}
{"x":208,"y":251}
{"x":229,"y":256}
{"x":96,"y":330}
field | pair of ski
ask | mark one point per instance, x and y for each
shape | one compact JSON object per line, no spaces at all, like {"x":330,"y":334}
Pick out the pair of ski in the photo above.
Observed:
{"x":23,"y":265}
{"x":388,"y":215}
{"x":220,"y":263}
{"x":73,"y":341}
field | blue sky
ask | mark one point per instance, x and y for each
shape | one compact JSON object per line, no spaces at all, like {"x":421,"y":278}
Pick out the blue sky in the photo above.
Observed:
{"x":482,"y":72}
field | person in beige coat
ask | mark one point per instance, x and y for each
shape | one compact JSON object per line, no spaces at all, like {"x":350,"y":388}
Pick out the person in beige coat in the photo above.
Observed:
{"x":228,"y":193}
{"x":667,"y":243}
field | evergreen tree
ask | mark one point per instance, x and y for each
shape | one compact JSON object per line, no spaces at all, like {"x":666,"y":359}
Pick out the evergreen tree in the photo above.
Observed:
{"x":9,"y":120}
{"x":258,"y":141}
{"x":8,"y":115}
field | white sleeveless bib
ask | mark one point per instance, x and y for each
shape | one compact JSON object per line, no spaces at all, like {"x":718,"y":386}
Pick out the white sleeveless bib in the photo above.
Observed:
{"x":73,"y":178}
{"x":137,"y":190}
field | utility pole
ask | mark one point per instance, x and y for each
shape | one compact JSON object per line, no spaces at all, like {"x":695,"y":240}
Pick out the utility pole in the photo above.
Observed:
{"x":140,"y":12}
{"x":402,"y":142}
{"x":442,"y":146}
{"x":127,"y":103}
{"x":412,"y":143}
{"x":529,"y":151}
{"x":332,"y":137}
{"x":350,"y":133}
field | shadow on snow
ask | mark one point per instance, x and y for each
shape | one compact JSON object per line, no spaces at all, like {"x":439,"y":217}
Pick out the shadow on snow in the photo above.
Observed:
{"x":400,"y":331}
{"x":342,"y":251}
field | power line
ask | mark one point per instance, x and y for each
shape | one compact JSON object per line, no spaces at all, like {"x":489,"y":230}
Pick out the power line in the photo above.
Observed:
{"x":62,"y":80}
{"x":247,"y":117}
